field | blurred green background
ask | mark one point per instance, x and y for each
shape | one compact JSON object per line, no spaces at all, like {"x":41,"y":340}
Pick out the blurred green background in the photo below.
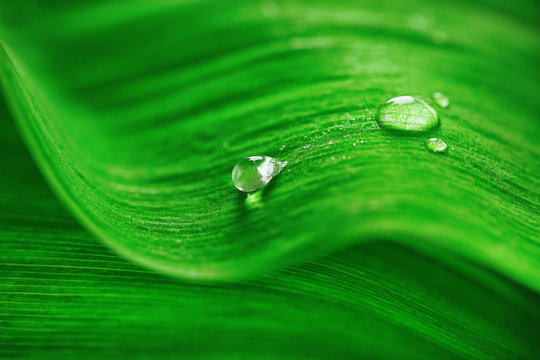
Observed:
{"x":365,"y":246}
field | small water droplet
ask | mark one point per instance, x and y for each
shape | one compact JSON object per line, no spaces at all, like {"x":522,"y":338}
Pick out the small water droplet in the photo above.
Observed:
{"x":435,"y":145}
{"x":361,"y":141}
{"x":407,"y":113}
{"x":306,"y":146}
{"x":354,"y":144}
{"x":254,"y":172}
{"x":441,"y":99}
{"x":282,"y":147}
{"x":331,"y":142}
{"x":333,"y":158}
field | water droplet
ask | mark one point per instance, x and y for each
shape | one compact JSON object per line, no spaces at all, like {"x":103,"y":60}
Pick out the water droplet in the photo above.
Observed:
{"x":306,"y":146}
{"x":333,"y":158}
{"x":361,"y":141}
{"x":441,"y":99}
{"x":254,"y":172}
{"x":435,"y":145}
{"x":407,"y":113}
{"x":354,"y":144}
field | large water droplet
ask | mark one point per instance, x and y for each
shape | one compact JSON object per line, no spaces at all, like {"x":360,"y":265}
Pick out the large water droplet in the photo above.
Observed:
{"x":407,"y":113}
{"x":436,"y":145}
{"x":254,"y":172}
{"x":441,"y":99}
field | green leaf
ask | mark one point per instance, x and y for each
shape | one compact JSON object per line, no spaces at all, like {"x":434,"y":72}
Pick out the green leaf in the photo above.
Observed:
{"x":63,"y":295}
{"x":136,"y":113}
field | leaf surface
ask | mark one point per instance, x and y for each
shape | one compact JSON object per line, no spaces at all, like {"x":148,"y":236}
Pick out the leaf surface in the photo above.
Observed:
{"x":136,"y":113}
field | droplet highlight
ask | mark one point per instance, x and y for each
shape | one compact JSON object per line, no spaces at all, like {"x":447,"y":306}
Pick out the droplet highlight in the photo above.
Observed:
{"x":254,"y":172}
{"x":407,"y":113}
{"x":435,"y":145}
{"x":441,"y":100}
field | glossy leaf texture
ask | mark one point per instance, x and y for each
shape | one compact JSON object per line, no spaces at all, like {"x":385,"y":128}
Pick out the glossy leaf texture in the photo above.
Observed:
{"x":65,"y":295}
{"x":136,"y":113}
